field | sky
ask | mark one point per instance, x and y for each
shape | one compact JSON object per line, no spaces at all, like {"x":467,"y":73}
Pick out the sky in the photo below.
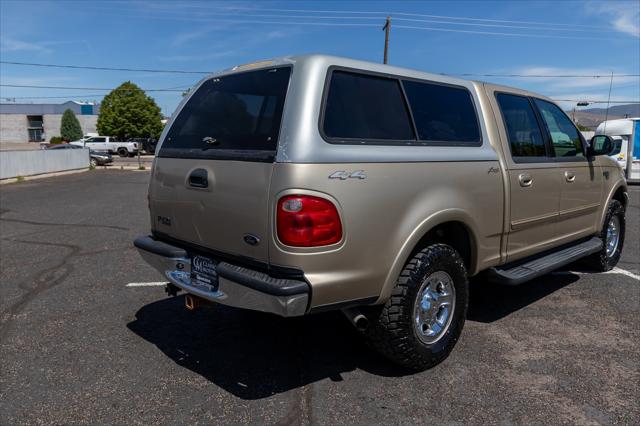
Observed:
{"x":527,"y":38}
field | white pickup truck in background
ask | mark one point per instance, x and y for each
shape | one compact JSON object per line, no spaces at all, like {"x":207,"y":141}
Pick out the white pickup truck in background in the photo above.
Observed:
{"x":110,"y":144}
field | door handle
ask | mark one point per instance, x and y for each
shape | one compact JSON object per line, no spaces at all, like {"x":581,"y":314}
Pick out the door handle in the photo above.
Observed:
{"x":525,"y":179}
{"x":569,"y":176}
{"x":198,"y":178}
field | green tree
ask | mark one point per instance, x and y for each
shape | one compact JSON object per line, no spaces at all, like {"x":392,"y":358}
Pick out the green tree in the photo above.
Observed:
{"x":70,"y":129}
{"x":127,"y":112}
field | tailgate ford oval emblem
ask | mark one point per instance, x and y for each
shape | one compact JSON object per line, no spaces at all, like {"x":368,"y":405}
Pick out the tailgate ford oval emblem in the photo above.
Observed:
{"x":250,"y":239}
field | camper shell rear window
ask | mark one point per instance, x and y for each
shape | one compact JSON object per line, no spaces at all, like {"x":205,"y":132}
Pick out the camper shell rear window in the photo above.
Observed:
{"x":231,"y":116}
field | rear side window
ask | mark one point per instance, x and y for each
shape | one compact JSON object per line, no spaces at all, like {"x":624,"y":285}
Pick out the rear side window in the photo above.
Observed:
{"x":525,"y":136}
{"x":366,"y":107}
{"x":442,"y":113}
{"x":239,"y":112}
{"x":564,"y":135}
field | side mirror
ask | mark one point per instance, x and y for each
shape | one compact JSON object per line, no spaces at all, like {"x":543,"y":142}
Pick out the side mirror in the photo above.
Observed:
{"x":600,"y":145}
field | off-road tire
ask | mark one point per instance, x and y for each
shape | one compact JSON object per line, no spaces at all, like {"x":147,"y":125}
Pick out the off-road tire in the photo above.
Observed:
{"x":599,"y":261}
{"x":392,"y":331}
{"x":122,"y":152}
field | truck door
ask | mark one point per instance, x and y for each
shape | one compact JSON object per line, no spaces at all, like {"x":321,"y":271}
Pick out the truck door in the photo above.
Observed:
{"x":580,"y":179}
{"x":97,"y":143}
{"x":534,"y":186}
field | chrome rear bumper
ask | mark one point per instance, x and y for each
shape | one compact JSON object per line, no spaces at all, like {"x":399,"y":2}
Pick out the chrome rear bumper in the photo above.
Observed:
{"x":239,"y":287}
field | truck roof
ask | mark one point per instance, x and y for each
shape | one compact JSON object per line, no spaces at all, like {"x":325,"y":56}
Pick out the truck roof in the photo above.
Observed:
{"x":331,"y":60}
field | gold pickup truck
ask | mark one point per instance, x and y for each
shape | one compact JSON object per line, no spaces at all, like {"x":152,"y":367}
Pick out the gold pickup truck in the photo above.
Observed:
{"x":313,"y":183}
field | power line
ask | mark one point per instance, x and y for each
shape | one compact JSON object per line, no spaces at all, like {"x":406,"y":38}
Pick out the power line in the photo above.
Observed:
{"x":95,"y":95}
{"x":473,"y":24}
{"x":597,"y":102}
{"x":445,"y":20}
{"x":86,"y":67}
{"x":178,"y":90}
{"x":496,"y":33}
{"x":55,"y":97}
{"x":247,"y":21}
{"x":545,"y":75}
{"x":351,"y":12}
{"x":209,"y":72}
{"x":347,"y":24}
{"x":26,"y":86}
{"x":598,"y":89}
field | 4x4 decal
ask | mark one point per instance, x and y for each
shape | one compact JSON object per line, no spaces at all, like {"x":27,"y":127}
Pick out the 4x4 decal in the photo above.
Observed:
{"x":342,"y":175}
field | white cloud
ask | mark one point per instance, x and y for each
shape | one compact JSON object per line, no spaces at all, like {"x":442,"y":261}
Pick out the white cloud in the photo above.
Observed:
{"x":624,"y":16}
{"x":11,"y":45}
{"x":8,"y":44}
{"x":198,"y":57}
{"x":183,"y":38}
{"x":237,"y":45}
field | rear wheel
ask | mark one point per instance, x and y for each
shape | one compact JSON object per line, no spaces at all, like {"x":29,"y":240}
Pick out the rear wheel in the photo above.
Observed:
{"x":422,"y":320}
{"x":122,"y":152}
{"x":612,"y":235}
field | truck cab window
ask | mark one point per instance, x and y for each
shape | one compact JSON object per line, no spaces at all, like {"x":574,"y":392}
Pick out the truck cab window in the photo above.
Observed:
{"x":525,"y":136}
{"x":564,"y":135}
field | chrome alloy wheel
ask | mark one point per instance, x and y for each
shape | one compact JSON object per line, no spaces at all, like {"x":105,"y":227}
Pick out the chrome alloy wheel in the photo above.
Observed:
{"x":434,"y":306}
{"x":613,"y":235}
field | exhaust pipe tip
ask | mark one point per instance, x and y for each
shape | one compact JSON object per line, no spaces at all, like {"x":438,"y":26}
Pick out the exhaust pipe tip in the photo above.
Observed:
{"x":357,"y":318}
{"x":189,"y":302}
{"x":192,"y":302}
{"x":361,"y":322}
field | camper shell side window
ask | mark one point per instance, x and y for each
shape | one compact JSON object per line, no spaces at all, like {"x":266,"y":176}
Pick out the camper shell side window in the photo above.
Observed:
{"x":368,"y":108}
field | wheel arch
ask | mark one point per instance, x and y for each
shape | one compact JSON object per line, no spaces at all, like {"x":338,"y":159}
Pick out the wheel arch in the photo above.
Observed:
{"x":454,"y":227}
{"x":617,"y":192}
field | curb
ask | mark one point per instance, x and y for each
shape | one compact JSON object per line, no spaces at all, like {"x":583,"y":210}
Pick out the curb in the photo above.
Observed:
{"x":43,"y":175}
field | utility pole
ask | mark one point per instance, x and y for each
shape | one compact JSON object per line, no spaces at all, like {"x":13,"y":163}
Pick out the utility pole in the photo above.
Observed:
{"x":386,"y":28}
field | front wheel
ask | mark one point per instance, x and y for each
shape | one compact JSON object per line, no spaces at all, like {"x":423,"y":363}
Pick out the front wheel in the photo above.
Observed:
{"x":612,"y":235}
{"x":122,"y":152}
{"x":422,"y":320}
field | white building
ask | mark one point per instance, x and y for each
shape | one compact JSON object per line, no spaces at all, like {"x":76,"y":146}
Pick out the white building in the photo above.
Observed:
{"x":23,"y":123}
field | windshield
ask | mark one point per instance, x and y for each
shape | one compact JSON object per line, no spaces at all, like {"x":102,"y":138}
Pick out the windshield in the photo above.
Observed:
{"x":239,"y":112}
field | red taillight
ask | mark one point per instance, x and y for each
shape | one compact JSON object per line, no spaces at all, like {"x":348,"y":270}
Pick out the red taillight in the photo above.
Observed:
{"x":307,"y":221}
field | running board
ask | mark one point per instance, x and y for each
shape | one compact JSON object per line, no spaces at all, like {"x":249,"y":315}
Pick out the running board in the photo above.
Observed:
{"x":523,"y":272}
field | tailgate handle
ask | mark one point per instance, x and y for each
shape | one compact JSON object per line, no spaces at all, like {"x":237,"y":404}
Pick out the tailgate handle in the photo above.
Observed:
{"x":198,"y":178}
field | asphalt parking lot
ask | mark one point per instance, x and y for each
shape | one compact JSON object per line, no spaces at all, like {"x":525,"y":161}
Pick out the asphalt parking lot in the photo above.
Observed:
{"x":79,"y":346}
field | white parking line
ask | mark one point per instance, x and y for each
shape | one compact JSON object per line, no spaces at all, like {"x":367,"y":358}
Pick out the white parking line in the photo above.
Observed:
{"x":623,"y":272}
{"x":154,"y":284}
{"x":613,"y":271}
